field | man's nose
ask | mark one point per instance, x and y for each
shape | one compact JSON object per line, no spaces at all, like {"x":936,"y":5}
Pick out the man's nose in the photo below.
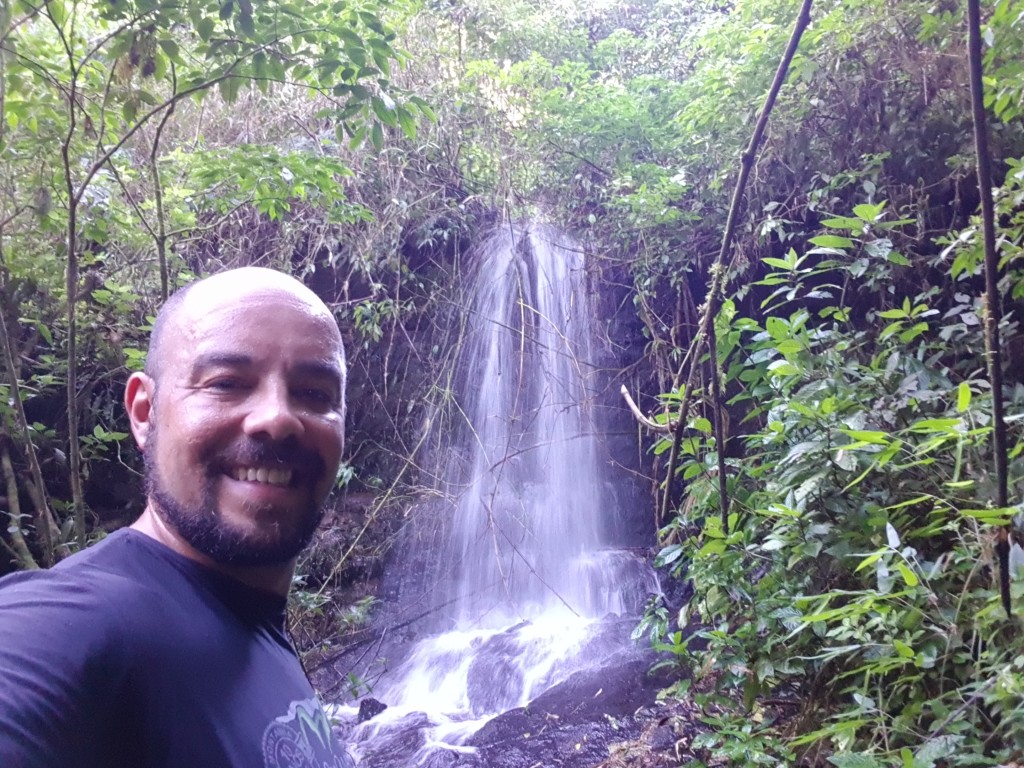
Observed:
{"x":272,"y":413}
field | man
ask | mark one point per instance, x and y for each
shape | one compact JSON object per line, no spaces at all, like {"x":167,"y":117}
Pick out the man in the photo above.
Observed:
{"x":164,"y":644}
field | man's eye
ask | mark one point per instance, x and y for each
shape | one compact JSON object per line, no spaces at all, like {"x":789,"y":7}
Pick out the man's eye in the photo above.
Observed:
{"x":226,"y":385}
{"x":318,"y":397}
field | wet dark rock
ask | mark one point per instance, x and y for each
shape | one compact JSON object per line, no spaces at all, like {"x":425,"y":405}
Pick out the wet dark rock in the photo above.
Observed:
{"x":573,"y":724}
{"x":493,"y":684}
{"x":445,"y":758}
{"x":370,"y":708}
{"x":666,"y":740}
{"x":494,"y":680}
{"x":555,"y":746}
{"x":662,"y":738}
{"x":393,"y":745}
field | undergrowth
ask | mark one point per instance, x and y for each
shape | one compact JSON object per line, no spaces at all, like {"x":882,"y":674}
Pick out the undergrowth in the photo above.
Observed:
{"x":854,"y":574}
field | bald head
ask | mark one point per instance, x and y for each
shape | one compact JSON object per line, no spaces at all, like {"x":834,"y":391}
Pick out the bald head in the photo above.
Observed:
{"x":234,"y":286}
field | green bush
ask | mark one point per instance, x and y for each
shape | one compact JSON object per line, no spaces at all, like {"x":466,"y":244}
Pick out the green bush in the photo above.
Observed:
{"x":855,"y":573}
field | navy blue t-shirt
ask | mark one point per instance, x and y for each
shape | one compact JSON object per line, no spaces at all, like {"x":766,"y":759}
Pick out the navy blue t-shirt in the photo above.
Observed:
{"x":128,"y":654}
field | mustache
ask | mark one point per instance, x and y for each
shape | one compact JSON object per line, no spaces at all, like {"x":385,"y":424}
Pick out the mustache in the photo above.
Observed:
{"x":286,"y":454}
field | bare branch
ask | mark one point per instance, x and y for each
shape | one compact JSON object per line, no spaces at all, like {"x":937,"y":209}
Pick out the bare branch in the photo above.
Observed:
{"x":993,"y":307}
{"x":644,"y":420}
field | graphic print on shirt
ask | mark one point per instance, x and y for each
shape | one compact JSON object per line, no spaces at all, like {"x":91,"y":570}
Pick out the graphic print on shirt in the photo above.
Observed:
{"x":303,"y":739}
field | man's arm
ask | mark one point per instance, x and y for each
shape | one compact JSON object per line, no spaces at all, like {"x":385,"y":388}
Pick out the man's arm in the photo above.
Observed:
{"x":58,"y":671}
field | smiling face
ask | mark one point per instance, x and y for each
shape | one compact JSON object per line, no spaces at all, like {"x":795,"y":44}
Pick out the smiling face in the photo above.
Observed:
{"x":242,"y":426}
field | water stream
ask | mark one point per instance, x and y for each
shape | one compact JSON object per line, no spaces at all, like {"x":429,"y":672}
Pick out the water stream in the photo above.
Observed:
{"x":528,"y":577}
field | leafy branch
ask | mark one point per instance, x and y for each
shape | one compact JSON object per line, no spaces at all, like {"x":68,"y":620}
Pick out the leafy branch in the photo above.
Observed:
{"x":720,"y":269}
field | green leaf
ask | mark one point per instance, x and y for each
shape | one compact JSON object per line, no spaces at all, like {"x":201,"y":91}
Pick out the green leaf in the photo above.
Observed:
{"x":358,"y":93}
{"x":424,"y":108}
{"x":407,"y":122}
{"x":844,"y":222}
{"x":963,"y":397}
{"x":350,"y":37}
{"x":872,"y":437}
{"x":702,"y":425}
{"x":889,"y":314}
{"x":58,"y":12}
{"x":377,"y":136}
{"x":229,"y":88}
{"x":781,"y":368}
{"x":205,"y":27}
{"x":832,"y":241}
{"x":995,"y":516}
{"x":868,"y":212}
{"x":170,"y":48}
{"x":713,"y":547}
{"x":852,"y":760}
{"x":903,"y":649}
{"x":384,"y":112}
{"x":909,"y":577}
{"x":245,"y":22}
{"x":790,"y":347}
{"x":669,"y":555}
{"x":130,"y":109}
{"x":380,"y":58}
{"x":870,"y":560}
{"x":890,"y":329}
{"x":930,"y":426}
{"x":913,"y":332}
{"x":936,"y":749}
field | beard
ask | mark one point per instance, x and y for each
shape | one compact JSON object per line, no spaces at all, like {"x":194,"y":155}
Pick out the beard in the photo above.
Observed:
{"x":203,"y":525}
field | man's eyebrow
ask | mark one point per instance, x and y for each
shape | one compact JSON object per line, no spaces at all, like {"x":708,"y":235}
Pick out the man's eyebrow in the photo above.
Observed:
{"x":319,"y":368}
{"x":208,"y":360}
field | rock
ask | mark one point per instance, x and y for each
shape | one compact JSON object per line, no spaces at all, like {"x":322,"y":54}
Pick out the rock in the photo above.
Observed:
{"x":554,"y":745}
{"x":395,"y":744}
{"x":369,"y":708}
{"x":662,"y":738}
{"x":572,"y":724}
{"x":592,"y":716}
{"x":494,"y":682}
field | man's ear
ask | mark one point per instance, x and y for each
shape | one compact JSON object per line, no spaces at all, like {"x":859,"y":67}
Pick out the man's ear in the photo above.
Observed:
{"x":139,"y":395}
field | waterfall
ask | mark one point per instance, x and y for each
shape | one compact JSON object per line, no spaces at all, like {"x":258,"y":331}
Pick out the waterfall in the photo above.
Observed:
{"x":530,"y":507}
{"x":526,"y":573}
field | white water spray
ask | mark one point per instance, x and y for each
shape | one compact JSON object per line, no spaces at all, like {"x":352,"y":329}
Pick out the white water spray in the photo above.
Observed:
{"x":531,"y":506}
{"x":528,"y":571}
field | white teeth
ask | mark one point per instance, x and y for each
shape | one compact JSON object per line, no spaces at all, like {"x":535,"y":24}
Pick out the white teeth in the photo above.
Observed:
{"x":263,"y":475}
{"x":279,"y":476}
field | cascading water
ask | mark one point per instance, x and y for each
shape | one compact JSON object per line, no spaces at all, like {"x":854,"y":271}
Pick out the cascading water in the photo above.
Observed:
{"x":531,"y":507}
{"x":526,"y":572}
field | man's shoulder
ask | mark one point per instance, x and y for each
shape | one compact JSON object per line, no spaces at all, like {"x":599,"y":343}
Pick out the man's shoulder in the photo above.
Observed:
{"x":108,"y":577}
{"x":115,"y":553}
